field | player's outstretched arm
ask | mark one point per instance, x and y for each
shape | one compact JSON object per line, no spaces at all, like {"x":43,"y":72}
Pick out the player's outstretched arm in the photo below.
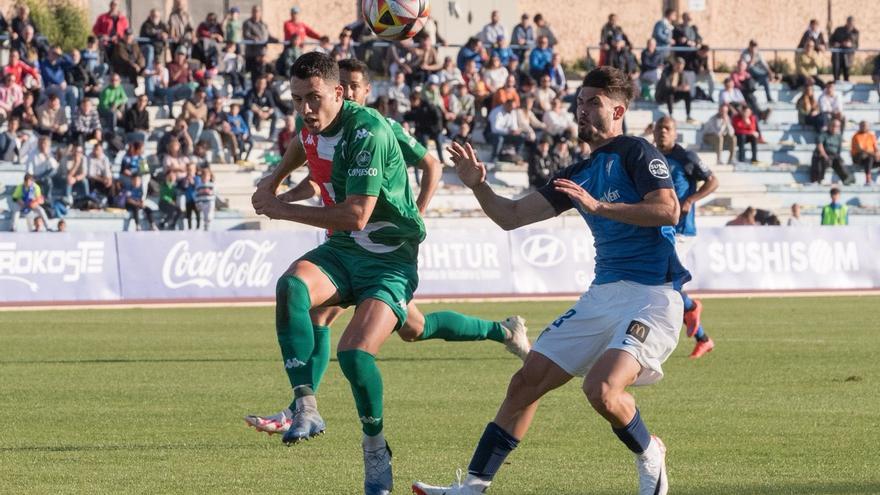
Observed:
{"x":293,"y":158}
{"x":432,"y":170}
{"x":658,"y":208}
{"x":509,"y":214}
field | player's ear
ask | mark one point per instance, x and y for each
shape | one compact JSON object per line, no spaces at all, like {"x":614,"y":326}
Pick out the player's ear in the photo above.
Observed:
{"x":339,"y":92}
{"x":619,"y":110}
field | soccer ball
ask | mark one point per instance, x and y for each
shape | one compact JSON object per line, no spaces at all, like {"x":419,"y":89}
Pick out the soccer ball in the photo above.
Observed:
{"x":395,"y":19}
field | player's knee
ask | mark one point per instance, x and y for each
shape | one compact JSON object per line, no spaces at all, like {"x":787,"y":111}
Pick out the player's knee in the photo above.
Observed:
{"x":601,"y":395}
{"x":291,"y":296}
{"x":409,"y":333}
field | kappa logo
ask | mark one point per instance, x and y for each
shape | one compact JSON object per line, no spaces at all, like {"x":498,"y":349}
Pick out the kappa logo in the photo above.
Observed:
{"x":362,"y":134}
{"x":310,"y":140}
{"x":543,"y":250}
{"x":658,"y":169}
{"x":293,"y":363}
{"x":369,"y":420}
{"x":363,"y":158}
{"x":638,"y":330}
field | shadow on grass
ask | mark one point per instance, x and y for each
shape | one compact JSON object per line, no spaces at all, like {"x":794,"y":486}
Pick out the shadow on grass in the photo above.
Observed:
{"x":114,"y":448}
{"x":241,"y":360}
{"x":827,"y":488}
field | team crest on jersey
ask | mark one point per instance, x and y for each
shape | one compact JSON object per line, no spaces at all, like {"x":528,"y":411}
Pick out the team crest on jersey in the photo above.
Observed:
{"x":658,"y":169}
{"x":362,"y":134}
{"x":363,"y":158}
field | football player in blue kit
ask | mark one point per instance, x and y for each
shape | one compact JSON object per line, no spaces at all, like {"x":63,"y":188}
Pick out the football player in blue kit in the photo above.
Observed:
{"x":687,"y":172}
{"x":627,"y":324}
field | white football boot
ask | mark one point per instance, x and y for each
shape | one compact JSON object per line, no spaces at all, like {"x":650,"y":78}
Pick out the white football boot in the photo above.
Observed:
{"x":517,"y":341}
{"x":378,"y":479}
{"x":277,"y":423}
{"x":305,"y":424}
{"x":652,"y":469}
{"x":467,"y":487}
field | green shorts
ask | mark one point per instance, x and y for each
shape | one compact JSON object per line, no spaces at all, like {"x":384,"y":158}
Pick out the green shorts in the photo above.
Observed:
{"x":358,"y":277}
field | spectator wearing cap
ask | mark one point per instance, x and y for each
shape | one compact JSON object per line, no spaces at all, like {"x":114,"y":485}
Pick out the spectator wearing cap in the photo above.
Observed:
{"x":758,"y":67}
{"x":474,"y":51}
{"x":522,"y":37}
{"x":835,"y":213}
{"x":27,"y":199}
{"x":232,"y":26}
{"x":112,"y":102}
{"x":539,"y":59}
{"x":428,"y":119}
{"x":543,"y":29}
{"x":828,"y":154}
{"x":864,"y":150}
{"x":494,"y":30}
{"x":663,"y":31}
{"x":155,"y":33}
{"x":180,"y":29}
{"x":255,"y":31}
{"x":127,"y":59}
{"x":110,"y":26}
{"x":296,"y":31}
{"x":845,"y":39}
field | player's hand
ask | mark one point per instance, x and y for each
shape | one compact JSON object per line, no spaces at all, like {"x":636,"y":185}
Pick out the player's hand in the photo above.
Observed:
{"x":686,"y":207}
{"x":578,"y":195}
{"x":266,"y":203}
{"x":470,"y":170}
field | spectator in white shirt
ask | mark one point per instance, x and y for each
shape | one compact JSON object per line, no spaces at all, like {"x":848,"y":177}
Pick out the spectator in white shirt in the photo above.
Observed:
{"x":559,"y":122}
{"x":831,"y":104}
{"x":399,"y":92}
{"x":731,"y":95}
{"x":450,"y":73}
{"x":99,"y":173}
{"x":495,"y":74}
{"x":493,"y":31}
{"x":795,"y":219}
{"x":505,"y":128}
{"x":42,"y":165}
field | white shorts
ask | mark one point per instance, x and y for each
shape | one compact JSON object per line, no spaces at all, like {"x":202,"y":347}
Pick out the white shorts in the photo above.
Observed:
{"x":683,"y":246}
{"x":642,"y":320}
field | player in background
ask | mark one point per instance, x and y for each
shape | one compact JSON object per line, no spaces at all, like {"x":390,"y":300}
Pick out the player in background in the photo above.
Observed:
{"x":626,"y":325}
{"x":687,"y":171}
{"x":316,"y":151}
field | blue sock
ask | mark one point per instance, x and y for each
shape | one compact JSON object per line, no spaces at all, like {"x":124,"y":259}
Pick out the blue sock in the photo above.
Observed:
{"x":494,"y":446}
{"x":634,"y":435}
{"x":701,"y":335}
{"x":688,"y":302}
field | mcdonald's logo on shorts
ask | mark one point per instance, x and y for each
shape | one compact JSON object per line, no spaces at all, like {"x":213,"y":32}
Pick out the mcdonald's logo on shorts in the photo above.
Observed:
{"x":638,"y":330}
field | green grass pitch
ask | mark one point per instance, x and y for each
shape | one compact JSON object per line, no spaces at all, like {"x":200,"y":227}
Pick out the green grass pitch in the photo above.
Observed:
{"x":151,"y":400}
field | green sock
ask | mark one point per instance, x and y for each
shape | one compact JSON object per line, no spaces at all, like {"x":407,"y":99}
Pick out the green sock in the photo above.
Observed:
{"x":360,"y":369}
{"x":320,"y":358}
{"x":296,"y":336}
{"x":456,"y":327}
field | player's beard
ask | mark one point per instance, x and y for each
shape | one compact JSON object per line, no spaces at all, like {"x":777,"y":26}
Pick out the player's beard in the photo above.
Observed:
{"x":591,"y":131}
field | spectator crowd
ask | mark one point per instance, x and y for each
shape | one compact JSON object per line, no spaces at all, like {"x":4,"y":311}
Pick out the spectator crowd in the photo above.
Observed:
{"x":82,"y":123}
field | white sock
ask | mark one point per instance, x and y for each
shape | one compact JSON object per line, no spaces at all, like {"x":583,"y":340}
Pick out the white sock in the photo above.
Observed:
{"x":373,"y":443}
{"x":306,"y":402}
{"x":476,"y":482}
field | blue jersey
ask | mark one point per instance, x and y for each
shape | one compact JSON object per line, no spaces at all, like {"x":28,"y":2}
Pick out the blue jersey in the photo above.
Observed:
{"x":686,"y":170}
{"x":624,"y":170}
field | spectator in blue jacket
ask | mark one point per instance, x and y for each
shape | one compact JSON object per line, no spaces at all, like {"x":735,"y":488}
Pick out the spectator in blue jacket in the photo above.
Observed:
{"x":239,"y":129}
{"x":540,"y":58}
{"x":663,"y":31}
{"x":472,"y":50}
{"x":53,"y":71}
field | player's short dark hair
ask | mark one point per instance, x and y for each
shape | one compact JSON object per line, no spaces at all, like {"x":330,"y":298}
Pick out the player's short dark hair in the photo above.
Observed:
{"x":315,"y":64}
{"x":614,"y":82}
{"x":668,"y":12}
{"x":355,"y":65}
{"x":834,"y":191}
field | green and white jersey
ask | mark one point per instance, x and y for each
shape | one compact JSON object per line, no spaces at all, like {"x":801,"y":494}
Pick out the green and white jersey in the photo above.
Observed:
{"x":368,"y":161}
{"x":413,"y":151}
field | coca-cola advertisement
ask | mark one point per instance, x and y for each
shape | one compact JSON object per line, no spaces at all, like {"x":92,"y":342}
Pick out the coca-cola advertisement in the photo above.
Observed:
{"x":165,"y":265}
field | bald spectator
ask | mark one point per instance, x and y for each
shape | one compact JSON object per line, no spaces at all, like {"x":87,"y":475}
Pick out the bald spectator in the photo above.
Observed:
{"x":493,"y":31}
{"x":864,"y":150}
